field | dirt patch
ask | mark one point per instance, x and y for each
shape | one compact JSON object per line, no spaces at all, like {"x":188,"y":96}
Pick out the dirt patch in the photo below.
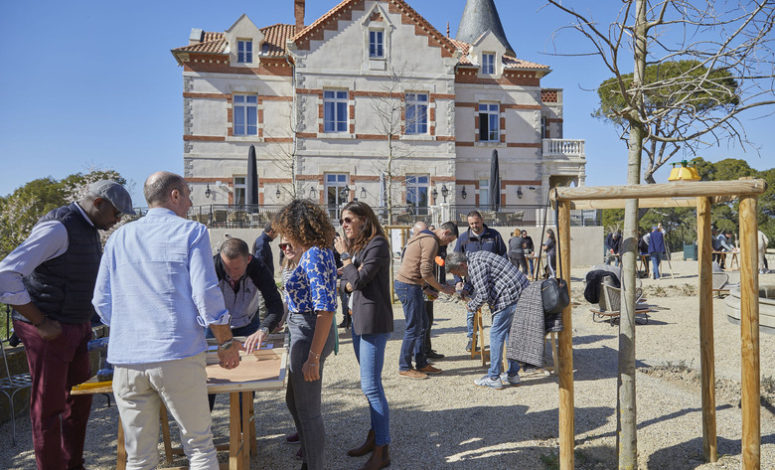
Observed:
{"x":680,"y":290}
{"x":727,"y":391}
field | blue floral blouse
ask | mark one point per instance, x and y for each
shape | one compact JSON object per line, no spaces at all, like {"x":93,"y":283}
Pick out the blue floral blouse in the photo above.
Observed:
{"x":312,"y":285}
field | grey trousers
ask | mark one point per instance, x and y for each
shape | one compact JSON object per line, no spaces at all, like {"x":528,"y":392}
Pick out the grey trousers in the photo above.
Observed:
{"x":302,"y":397}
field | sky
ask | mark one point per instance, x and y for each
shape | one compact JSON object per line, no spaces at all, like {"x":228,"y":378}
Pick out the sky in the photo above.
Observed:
{"x":90,"y":84}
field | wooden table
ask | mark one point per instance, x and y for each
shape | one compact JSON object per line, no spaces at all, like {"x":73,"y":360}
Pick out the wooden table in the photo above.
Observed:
{"x":264,"y":370}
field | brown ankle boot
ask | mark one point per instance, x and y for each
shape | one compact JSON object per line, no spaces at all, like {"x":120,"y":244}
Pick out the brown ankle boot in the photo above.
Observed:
{"x":364,"y":449}
{"x":379,"y":459}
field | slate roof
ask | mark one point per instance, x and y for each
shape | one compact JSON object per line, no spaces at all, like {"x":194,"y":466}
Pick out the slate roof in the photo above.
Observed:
{"x":480,"y":16}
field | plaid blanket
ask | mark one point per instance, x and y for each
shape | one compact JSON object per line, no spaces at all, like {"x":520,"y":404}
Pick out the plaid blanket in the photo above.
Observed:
{"x":526,"y":337}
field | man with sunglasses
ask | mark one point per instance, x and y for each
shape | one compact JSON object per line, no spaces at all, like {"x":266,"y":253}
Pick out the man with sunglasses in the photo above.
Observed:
{"x":49,"y":280}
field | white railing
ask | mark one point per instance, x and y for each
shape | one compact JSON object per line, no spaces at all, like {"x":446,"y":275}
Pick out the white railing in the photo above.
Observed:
{"x":564,"y":148}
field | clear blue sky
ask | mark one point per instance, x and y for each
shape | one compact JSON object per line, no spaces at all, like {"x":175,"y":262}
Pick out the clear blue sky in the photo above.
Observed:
{"x":92,"y":84}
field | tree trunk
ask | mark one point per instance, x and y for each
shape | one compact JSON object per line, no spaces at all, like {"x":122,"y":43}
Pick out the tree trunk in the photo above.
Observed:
{"x":626,"y":406}
{"x":389,"y":195}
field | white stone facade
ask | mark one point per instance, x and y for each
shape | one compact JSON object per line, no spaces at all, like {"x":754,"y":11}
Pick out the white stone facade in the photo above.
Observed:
{"x":290,"y":71}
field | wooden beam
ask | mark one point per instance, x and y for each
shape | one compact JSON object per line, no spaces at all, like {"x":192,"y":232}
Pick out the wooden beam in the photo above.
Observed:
{"x":749,"y":333}
{"x":663,"y":190}
{"x":566,"y":416}
{"x":619,"y":203}
{"x":707,"y":357}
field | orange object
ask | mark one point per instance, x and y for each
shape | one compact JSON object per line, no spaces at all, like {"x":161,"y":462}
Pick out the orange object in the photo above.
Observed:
{"x":439,"y":260}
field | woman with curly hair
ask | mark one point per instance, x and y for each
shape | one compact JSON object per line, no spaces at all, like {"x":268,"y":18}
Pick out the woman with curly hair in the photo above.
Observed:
{"x":365,"y":258}
{"x":311,"y":295}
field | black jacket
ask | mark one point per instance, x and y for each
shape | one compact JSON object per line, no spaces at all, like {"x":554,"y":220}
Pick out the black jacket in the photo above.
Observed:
{"x":259,"y":274}
{"x":372,"y":308}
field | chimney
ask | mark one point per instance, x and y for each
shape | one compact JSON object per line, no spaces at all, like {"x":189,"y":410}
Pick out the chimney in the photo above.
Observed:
{"x":298,"y":9}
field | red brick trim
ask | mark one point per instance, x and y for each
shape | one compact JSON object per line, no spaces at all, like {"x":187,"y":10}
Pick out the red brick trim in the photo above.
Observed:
{"x":279,"y":140}
{"x":264,"y":181}
{"x":445,"y":138}
{"x":274,"y":98}
{"x":306,"y":135}
{"x":371,"y":137}
{"x":442,"y":179}
{"x":359,"y":178}
{"x":203,"y":138}
{"x":441,"y":96}
{"x":505,"y":183}
{"x":509,"y":78}
{"x":219,"y":64}
{"x":549,"y":96}
{"x":525,"y":144}
{"x":534,"y":107}
{"x":217,"y":96}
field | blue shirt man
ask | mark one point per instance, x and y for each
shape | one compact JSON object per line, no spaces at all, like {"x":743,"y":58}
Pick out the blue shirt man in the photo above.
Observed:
{"x":157,"y":290}
{"x":656,"y":249}
{"x":478,"y":237}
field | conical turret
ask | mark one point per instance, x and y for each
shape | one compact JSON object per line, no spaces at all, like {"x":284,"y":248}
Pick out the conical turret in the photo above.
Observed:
{"x":480,"y":16}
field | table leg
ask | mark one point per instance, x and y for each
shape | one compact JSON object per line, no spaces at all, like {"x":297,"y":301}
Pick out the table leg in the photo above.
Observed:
{"x":252,"y":426}
{"x":165,"y":433}
{"x":120,"y":447}
{"x":235,"y":436}
{"x":247,"y":423}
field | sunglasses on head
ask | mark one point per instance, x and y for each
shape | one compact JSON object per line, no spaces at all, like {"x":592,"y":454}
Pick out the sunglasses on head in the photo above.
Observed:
{"x":346,"y":220}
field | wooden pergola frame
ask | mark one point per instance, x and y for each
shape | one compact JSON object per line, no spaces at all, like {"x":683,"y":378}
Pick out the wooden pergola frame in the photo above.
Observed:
{"x":699,"y":194}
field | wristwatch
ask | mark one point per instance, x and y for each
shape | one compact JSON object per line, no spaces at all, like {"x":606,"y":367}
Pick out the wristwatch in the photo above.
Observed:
{"x":344,"y":256}
{"x":264,"y":330}
{"x":226,"y":344}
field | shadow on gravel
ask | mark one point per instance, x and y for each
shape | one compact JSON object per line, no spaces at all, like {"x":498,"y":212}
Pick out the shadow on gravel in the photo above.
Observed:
{"x":597,"y":363}
{"x":689,"y":454}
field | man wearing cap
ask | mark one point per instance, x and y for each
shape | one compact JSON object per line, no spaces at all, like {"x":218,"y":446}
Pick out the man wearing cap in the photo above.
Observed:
{"x":49,"y":280}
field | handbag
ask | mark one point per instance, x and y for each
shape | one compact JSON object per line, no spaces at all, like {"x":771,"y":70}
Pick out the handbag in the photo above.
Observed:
{"x":554,"y":290}
{"x":554,"y":294}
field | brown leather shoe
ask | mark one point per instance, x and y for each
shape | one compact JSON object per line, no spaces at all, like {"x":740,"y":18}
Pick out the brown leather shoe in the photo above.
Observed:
{"x":365,"y":448}
{"x":379,"y":459}
{"x":412,"y":374}
{"x":429,"y":369}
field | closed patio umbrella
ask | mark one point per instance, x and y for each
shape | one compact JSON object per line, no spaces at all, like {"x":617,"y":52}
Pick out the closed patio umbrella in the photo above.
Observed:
{"x":251,"y":196}
{"x":495,"y":183}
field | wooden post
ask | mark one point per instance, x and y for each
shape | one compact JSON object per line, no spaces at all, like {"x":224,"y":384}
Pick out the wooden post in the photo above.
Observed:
{"x":235,"y":446}
{"x":707,"y":357}
{"x":566,"y":417}
{"x":749,"y":332}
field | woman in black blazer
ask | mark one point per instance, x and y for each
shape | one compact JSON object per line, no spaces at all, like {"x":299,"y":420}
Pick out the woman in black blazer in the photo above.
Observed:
{"x":365,"y":255}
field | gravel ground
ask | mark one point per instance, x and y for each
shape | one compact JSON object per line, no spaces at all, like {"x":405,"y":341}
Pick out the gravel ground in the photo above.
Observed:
{"x":446,"y":422}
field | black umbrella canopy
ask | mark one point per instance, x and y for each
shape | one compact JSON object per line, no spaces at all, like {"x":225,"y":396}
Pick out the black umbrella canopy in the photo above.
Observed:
{"x":495,"y":183}
{"x":251,"y":196}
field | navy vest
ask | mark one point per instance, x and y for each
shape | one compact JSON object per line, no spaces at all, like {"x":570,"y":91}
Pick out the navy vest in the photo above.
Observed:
{"x":63,"y":287}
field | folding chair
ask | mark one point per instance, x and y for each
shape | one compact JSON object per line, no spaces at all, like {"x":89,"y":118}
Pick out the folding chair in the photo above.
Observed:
{"x":610,"y":304}
{"x":10,"y":385}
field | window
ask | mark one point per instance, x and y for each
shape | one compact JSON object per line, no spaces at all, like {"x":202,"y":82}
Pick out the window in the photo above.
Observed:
{"x":544,"y":128}
{"x":488,"y":63}
{"x":335,"y":111}
{"x":416,"y":113}
{"x":337,"y":193}
{"x":484,"y":194}
{"x":417,"y":194}
{"x":244,"y":51}
{"x":245,"y":115}
{"x":376,"y":44}
{"x":489,"y":124}
{"x":240,"y":189}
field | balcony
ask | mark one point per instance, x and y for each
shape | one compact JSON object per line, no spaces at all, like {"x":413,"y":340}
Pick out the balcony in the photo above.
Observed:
{"x":564,"y":148}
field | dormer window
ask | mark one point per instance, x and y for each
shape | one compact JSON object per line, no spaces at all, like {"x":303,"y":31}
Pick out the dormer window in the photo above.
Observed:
{"x":376,"y":44}
{"x":488,"y":63}
{"x":244,"y":51}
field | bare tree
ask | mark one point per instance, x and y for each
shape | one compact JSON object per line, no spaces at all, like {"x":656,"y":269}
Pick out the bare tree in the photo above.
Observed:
{"x":394,"y":118}
{"x":735,"y":37}
{"x":286,"y":157}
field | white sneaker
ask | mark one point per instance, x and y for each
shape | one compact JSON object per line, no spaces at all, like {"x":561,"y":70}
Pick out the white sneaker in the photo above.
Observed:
{"x":507,"y":379}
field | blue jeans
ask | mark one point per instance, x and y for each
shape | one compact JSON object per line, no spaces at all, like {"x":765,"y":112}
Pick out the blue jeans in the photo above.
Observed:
{"x":655,"y":259}
{"x":370,"y":353}
{"x":416,"y":322}
{"x":302,"y":397}
{"x":470,"y":325}
{"x":499,"y":334}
